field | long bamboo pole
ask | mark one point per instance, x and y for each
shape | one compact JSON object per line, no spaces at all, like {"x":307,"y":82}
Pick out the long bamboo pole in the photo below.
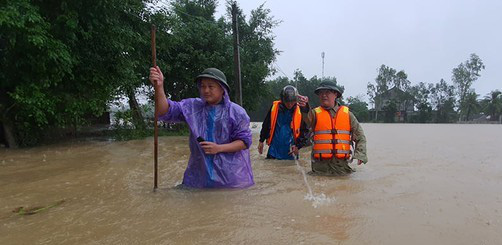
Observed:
{"x":155,"y":128}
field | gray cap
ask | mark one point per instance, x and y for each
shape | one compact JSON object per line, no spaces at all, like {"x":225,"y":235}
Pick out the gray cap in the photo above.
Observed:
{"x":328,"y":85}
{"x":214,"y":74}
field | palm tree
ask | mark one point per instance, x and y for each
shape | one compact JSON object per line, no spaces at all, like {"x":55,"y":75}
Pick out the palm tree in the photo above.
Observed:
{"x":493,"y":103}
{"x":471,"y":104}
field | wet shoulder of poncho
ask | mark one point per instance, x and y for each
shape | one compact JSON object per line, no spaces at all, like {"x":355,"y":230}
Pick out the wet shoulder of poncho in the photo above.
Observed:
{"x":231,"y":122}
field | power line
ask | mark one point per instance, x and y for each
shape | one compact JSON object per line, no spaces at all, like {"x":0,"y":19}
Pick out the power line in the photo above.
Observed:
{"x":195,"y":17}
{"x":279,"y":69}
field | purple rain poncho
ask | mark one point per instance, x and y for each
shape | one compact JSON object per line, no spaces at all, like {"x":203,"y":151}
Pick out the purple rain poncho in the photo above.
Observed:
{"x":221,"y":124}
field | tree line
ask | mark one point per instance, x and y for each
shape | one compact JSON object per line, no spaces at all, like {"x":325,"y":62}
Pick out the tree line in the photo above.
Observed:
{"x":393,"y":97}
{"x":63,"y":62}
{"x":439,"y":102}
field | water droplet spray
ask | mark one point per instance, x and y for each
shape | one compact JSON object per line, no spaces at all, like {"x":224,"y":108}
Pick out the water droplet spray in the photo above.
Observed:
{"x":318,"y":200}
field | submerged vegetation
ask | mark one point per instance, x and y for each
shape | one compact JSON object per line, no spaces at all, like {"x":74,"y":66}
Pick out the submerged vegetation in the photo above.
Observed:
{"x":35,"y":210}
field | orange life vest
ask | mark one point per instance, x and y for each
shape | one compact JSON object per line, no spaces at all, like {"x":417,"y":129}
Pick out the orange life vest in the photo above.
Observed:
{"x":332,"y":136}
{"x":295,"y":121}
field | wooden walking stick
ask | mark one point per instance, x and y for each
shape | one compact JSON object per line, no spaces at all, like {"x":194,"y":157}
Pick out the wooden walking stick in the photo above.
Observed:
{"x":155,"y":129}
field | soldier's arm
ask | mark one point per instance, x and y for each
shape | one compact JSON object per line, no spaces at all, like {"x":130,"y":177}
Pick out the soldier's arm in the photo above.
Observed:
{"x":265,"y":128}
{"x":308,"y":117}
{"x":359,"y":138}
{"x":304,"y":138}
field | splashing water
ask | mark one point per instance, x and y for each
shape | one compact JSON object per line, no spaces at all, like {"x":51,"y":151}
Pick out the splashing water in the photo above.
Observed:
{"x":317,"y":200}
{"x":304,"y":176}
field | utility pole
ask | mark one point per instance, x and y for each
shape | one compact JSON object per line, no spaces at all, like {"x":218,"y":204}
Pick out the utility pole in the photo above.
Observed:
{"x":322,"y":56}
{"x":237,"y":58}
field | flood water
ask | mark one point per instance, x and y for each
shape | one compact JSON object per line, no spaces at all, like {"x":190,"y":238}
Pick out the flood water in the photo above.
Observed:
{"x":424,"y":184}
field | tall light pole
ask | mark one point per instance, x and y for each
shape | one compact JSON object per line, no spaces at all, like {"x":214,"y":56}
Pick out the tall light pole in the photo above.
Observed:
{"x":322,"y":56}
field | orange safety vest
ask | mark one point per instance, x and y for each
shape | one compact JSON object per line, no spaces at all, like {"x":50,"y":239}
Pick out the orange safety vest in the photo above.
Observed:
{"x":295,"y":122}
{"x":332,"y":135}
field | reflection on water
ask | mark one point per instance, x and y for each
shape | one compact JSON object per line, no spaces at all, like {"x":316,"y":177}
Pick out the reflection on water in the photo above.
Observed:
{"x":424,"y":184}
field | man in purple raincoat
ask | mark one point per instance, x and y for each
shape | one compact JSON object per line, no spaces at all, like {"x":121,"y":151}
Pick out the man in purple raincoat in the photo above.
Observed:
{"x":221,"y":159}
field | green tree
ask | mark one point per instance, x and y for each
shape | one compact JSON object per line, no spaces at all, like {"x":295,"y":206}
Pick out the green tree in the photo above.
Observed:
{"x":401,"y":81}
{"x":257,"y":53}
{"x":190,"y":40}
{"x":421,"y":93}
{"x":463,"y":76}
{"x":359,"y":108}
{"x":492,"y":104}
{"x":33,"y":61}
{"x":307,"y":87}
{"x":386,"y":79}
{"x":424,"y":113}
{"x":270,"y":93}
{"x":274,"y":87}
{"x":390,"y":110}
{"x":382,"y":84}
{"x":76,"y":56}
{"x":471,"y":104}
{"x":442,"y":96}
{"x":65,"y":60}
{"x":194,"y":40}
{"x":372,"y":93}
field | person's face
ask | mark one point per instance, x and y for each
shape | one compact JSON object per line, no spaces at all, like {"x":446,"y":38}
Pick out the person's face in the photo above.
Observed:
{"x":290,"y":105}
{"x":211,"y":91}
{"x":327,"y":98}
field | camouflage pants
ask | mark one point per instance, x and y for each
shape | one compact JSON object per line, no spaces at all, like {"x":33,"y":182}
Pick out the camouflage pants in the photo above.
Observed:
{"x":332,"y":167}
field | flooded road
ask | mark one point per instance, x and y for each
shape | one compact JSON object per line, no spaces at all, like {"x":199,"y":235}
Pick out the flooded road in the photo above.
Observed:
{"x":424,"y":184}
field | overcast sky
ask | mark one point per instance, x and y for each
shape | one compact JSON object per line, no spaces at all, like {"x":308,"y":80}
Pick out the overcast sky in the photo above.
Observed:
{"x":425,"y":38}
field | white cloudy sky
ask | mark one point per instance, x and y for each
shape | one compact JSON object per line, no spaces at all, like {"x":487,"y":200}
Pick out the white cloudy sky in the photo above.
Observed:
{"x":426,"y":38}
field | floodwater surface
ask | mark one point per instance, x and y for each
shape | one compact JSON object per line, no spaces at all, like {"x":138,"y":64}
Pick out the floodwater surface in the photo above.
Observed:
{"x":424,"y":184}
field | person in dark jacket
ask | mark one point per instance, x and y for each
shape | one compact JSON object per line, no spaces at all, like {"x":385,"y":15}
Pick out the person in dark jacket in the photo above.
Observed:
{"x":283,"y":128}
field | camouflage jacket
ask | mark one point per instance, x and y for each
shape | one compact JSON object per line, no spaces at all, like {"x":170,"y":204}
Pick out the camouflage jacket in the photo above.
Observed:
{"x":356,"y":129}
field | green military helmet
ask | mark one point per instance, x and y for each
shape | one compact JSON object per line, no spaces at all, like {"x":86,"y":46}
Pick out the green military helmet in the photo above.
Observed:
{"x":328,"y":85}
{"x":214,"y":74}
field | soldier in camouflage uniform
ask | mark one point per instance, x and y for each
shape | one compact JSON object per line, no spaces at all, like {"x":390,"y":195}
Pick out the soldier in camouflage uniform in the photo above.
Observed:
{"x":328,"y":92}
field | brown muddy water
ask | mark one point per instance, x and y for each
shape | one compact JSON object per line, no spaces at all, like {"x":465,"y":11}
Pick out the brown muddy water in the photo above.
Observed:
{"x":424,"y":184}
